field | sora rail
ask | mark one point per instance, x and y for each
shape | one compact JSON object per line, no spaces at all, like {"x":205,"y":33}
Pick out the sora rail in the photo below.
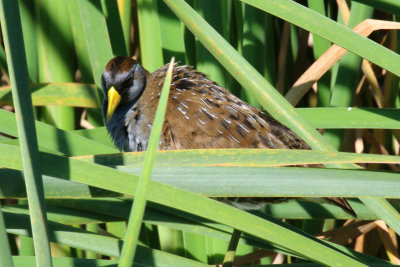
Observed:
{"x":200,"y":114}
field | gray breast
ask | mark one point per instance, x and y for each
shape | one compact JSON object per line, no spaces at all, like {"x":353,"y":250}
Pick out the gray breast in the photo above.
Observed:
{"x":138,"y":130}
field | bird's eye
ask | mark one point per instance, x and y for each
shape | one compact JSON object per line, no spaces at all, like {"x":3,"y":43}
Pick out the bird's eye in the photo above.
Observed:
{"x":127,"y":84}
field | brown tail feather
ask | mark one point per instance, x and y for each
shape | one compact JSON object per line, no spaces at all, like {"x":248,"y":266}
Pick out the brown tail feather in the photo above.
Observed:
{"x":341,"y":202}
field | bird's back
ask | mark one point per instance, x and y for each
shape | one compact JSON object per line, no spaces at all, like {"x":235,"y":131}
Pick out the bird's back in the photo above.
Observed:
{"x":202,"y":114}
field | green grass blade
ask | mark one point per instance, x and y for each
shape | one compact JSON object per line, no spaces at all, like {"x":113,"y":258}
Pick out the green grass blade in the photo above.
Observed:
{"x":392,"y":217}
{"x":352,"y":118}
{"x":245,"y":74}
{"x":270,"y":229}
{"x":29,"y":29}
{"x":238,"y":158}
{"x":74,"y":237}
{"x":221,"y":181}
{"x":56,"y":56}
{"x":254,"y":43}
{"x":53,"y":94}
{"x":81,"y":50}
{"x":137,"y":211}
{"x":269,"y":98}
{"x":56,"y":139}
{"x":170,"y":25}
{"x":391,"y":6}
{"x":114,"y":24}
{"x":324,"y":27}
{"x":96,"y":37}
{"x":3,"y":60}
{"x":98,"y":134}
{"x":125,"y":11}
{"x":344,"y":89}
{"x":320,"y":45}
{"x":216,"y":13}
{"x":12,"y":33}
{"x":66,"y":215}
{"x":5,"y":252}
{"x":150,"y":37}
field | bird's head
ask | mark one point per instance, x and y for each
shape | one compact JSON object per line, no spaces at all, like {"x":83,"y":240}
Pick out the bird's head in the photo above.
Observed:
{"x":123,"y":81}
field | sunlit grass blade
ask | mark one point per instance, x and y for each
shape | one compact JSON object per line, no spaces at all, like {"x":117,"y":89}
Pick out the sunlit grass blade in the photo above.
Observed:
{"x":56,"y":139}
{"x":254,"y":43}
{"x":344,"y":89}
{"x":238,"y":158}
{"x":150,"y":39}
{"x":324,"y":27}
{"x":391,"y":215}
{"x":171,"y":26}
{"x":114,"y":23}
{"x":96,"y":36}
{"x":29,"y":29}
{"x":245,"y":74}
{"x":78,"y":238}
{"x":55,"y":57}
{"x":228,"y":181}
{"x":12,"y":34}
{"x":320,"y":45}
{"x":125,"y":11}
{"x":98,"y":134}
{"x":391,"y":6}
{"x":269,"y":98}
{"x":270,"y":229}
{"x":63,"y":94}
{"x":351,"y":118}
{"x":137,"y":211}
{"x":216,"y":13}
{"x":5,"y":253}
{"x":3,"y":60}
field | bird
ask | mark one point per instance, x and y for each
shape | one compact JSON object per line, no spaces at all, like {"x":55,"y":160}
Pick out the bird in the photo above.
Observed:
{"x":200,"y":114}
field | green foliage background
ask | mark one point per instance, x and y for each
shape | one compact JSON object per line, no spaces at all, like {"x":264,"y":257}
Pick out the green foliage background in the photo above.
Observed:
{"x":66,"y":167}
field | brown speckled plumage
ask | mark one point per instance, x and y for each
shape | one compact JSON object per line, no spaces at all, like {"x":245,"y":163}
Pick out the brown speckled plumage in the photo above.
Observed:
{"x":200,"y":114}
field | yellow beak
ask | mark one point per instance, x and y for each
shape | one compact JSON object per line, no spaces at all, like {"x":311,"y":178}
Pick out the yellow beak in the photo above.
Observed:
{"x":113,"y":100}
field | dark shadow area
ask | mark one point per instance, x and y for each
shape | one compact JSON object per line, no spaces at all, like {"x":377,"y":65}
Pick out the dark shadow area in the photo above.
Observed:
{"x":115,"y":30}
{"x":112,"y":160}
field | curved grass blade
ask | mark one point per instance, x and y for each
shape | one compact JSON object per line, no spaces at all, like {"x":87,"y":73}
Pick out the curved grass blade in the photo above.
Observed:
{"x":392,"y":217}
{"x":269,"y":98}
{"x":271,"y":229}
{"x":391,"y":6}
{"x":56,"y":139}
{"x":78,"y":238}
{"x":16,"y":60}
{"x":137,"y":211}
{"x":55,"y":56}
{"x":222,"y":181}
{"x":5,"y":252}
{"x":63,"y":94}
{"x":150,"y":44}
{"x":247,"y":76}
{"x":324,"y":27}
{"x":96,"y":36}
{"x":238,"y":158}
{"x":352,"y":118}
